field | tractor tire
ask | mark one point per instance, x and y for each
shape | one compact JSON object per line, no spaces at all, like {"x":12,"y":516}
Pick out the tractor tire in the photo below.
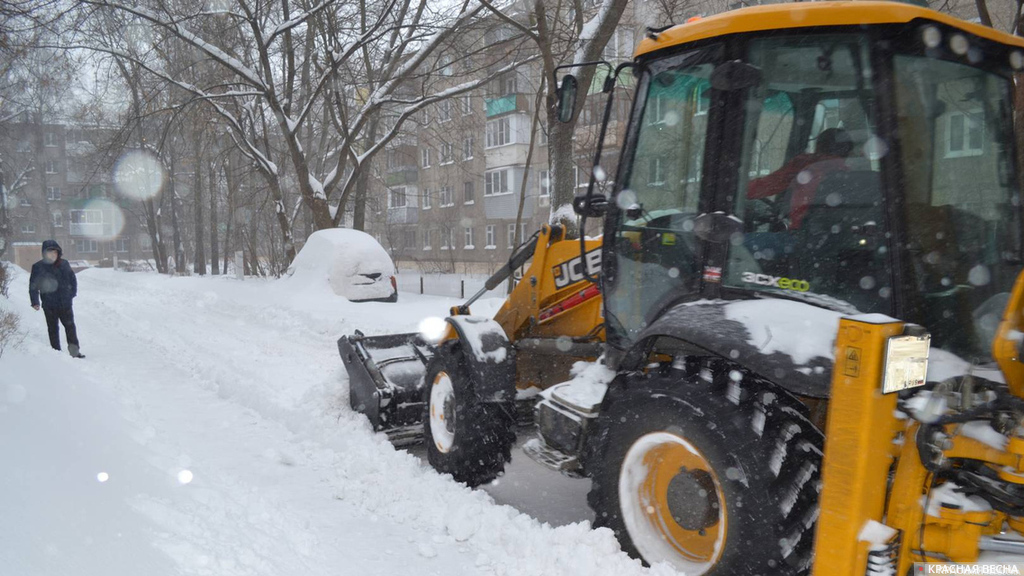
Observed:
{"x":468,"y":439}
{"x":716,"y":474}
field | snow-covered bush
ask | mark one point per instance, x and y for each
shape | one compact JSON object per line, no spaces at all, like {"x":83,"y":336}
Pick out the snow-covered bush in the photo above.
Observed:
{"x":11,"y":335}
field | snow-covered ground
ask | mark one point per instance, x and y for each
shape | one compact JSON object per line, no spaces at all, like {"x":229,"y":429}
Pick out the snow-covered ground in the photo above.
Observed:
{"x":208,"y":432}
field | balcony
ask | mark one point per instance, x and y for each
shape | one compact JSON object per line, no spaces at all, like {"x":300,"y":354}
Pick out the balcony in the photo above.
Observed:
{"x":506,"y":104}
{"x":91,"y":229}
{"x":401,"y":175}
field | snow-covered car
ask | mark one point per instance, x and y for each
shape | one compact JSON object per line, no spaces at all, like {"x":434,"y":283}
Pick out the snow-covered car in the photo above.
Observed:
{"x":352,"y":262}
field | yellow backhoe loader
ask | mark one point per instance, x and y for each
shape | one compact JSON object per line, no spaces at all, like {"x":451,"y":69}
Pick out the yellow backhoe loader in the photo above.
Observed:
{"x":808,"y":280}
{"x":810,"y":297}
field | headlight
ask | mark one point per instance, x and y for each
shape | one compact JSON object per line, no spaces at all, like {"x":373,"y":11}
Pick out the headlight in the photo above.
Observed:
{"x":906,"y":362}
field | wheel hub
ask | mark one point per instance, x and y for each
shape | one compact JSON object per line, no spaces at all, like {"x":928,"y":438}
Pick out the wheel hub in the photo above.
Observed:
{"x":692,"y":499}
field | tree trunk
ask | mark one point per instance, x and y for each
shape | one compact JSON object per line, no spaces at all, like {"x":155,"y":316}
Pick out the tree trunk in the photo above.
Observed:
{"x":179,"y":255}
{"x":199,"y":258}
{"x":153,"y":226}
{"x":214,"y":265}
{"x":561,"y":158}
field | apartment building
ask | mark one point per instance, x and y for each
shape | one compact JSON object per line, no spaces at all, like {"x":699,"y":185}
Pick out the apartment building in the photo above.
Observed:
{"x":60,"y":186}
{"x":453,"y":185}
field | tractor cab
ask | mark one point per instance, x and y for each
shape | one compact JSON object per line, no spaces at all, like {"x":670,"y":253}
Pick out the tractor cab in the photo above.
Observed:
{"x":786,"y":166}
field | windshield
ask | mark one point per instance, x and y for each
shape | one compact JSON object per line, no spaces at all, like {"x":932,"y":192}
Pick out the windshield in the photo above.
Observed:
{"x":654,"y":242}
{"x":962,"y":204}
{"x":810,"y":193}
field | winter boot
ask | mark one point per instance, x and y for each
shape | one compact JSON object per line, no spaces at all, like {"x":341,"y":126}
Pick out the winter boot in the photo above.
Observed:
{"x":73,"y":349}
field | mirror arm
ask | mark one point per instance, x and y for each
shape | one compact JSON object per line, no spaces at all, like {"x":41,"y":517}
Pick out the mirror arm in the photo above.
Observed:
{"x":588,"y":199}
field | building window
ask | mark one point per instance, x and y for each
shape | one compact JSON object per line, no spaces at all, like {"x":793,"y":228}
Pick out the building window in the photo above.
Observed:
{"x":468,"y":195}
{"x":447,"y":154}
{"x":392,"y":159}
{"x":58,"y":219}
{"x":512,"y":235}
{"x":97,"y":191}
{"x":425,"y":157}
{"x":469,"y":239}
{"x":497,"y":182}
{"x":397,"y":197}
{"x":28,"y":228}
{"x":499,"y":132}
{"x":447,"y":238}
{"x":84,"y":246}
{"x":25,"y":201}
{"x":120,"y":245}
{"x":426,"y":198}
{"x":87,"y":223}
{"x":542,"y":135}
{"x":656,"y":173}
{"x":410,"y":238}
{"x":466,"y":104}
{"x":490,"y":237}
{"x":50,"y":139}
{"x":146,"y":243}
{"x":545,"y":183}
{"x":703,"y":101}
{"x":52,"y":193}
{"x":965,"y":134}
{"x":51,"y":166}
{"x":445,"y":65}
{"x":467,"y":148}
{"x":509,"y":84}
{"x":426,"y":239}
{"x":444,"y":110}
{"x":656,"y":110}
{"x":447,"y":196}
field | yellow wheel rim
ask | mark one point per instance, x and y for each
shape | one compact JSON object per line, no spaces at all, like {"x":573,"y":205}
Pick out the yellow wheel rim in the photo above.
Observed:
{"x":672,"y":503}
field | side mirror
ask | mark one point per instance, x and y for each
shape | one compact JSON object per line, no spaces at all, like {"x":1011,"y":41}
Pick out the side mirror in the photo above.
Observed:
{"x":593,"y":206}
{"x":567,"y":97}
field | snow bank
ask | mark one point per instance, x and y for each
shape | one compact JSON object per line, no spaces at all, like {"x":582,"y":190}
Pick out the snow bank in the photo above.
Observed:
{"x":352,"y":263}
{"x":240,"y":384}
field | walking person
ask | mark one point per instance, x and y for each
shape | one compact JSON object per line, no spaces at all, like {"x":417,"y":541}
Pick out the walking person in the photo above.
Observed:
{"x":53,"y":281}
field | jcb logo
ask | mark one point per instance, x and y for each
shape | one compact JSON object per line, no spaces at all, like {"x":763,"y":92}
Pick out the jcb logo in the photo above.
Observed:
{"x":571,"y":272}
{"x":776,"y":282}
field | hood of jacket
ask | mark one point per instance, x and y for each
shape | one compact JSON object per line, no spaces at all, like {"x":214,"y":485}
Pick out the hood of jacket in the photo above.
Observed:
{"x":52,"y":245}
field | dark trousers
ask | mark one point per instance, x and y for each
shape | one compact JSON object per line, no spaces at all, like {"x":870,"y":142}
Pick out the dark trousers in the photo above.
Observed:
{"x":67,"y":318}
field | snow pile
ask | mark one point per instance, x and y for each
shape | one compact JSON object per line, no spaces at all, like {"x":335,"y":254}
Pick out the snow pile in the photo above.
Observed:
{"x":240,"y":385}
{"x":351,"y":262}
{"x":879,"y":537}
{"x":587,"y":387}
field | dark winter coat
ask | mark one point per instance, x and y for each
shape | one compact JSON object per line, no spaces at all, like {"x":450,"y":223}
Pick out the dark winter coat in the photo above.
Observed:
{"x":54,"y":282}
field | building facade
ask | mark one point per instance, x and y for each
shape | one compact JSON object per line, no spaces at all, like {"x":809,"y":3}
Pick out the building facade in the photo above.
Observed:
{"x":60,"y":186}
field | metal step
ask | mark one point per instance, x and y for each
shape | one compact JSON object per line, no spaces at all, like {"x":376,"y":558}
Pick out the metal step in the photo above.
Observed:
{"x":554,"y":459}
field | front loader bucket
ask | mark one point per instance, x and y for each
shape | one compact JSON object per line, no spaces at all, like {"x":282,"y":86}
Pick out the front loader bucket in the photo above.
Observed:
{"x":385,"y":375}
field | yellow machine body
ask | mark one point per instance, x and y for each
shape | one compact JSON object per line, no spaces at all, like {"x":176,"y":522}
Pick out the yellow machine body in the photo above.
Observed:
{"x":873,"y":471}
{"x":553,"y":303}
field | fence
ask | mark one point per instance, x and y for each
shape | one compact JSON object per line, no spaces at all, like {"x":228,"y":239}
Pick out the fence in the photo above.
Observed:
{"x":451,"y":285}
